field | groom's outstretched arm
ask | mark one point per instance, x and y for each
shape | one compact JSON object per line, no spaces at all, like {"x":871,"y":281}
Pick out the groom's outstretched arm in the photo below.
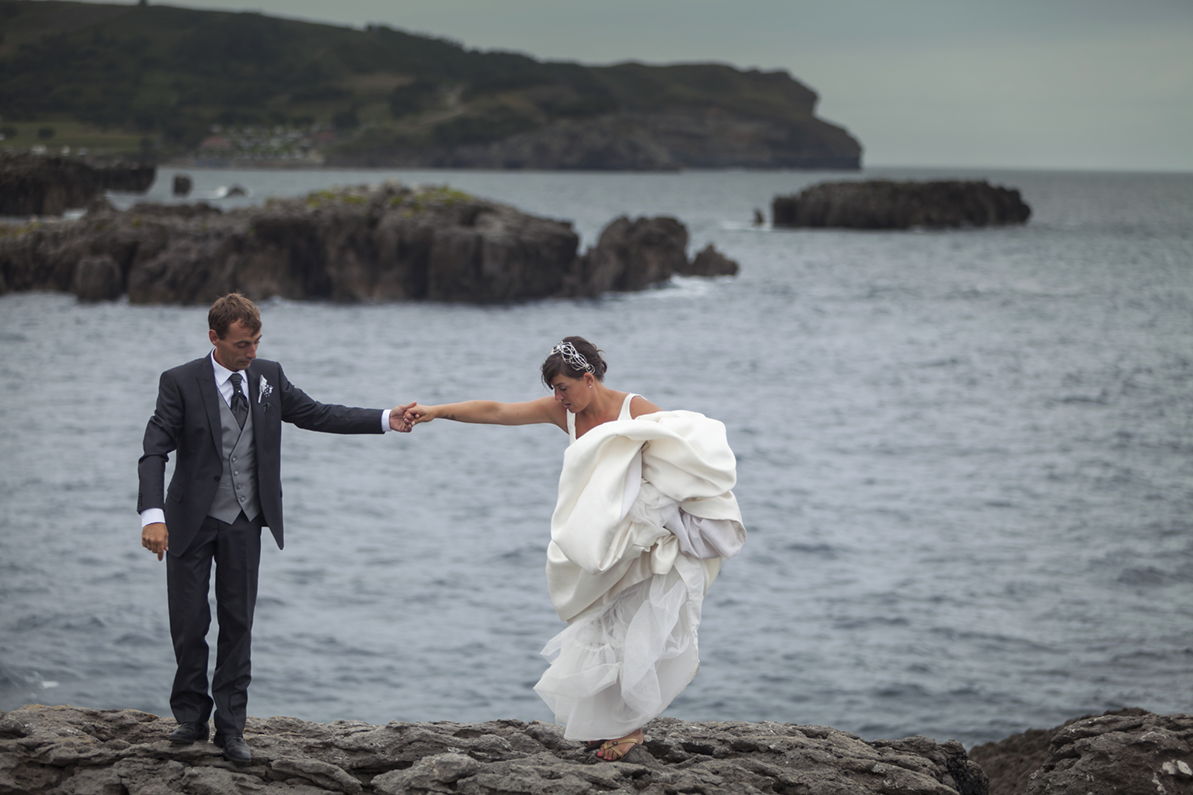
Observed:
{"x":309,"y":414}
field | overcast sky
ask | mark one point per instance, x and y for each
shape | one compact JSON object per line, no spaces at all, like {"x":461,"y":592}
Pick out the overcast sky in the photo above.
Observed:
{"x":1072,"y":84}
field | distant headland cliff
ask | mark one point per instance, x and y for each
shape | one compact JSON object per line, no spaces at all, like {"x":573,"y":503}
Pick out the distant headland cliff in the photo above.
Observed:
{"x":203,"y":87}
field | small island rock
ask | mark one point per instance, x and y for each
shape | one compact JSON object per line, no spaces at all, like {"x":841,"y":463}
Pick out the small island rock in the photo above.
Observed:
{"x":182,"y":184}
{"x":884,"y":204}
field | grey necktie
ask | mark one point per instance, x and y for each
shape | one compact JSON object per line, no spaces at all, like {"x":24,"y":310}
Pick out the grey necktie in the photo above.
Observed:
{"x":240,"y":406}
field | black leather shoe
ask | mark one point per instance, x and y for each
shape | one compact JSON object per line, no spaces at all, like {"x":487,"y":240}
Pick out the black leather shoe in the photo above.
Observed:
{"x":189,"y":733}
{"x":235,"y":748}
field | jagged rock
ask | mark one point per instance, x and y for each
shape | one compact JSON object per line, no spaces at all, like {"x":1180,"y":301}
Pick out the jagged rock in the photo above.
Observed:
{"x":182,"y":185}
{"x":39,"y":185}
{"x":882,"y":204}
{"x":142,"y":209}
{"x":1124,"y":751}
{"x":631,"y":255}
{"x":348,"y":245}
{"x":100,"y":205}
{"x":354,"y":244}
{"x":97,"y":279}
{"x":127,"y":177}
{"x":60,"y":750}
{"x":710,"y":262}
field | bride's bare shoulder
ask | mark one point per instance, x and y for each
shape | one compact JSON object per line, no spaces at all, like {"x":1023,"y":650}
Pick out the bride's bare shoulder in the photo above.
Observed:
{"x":640,"y":405}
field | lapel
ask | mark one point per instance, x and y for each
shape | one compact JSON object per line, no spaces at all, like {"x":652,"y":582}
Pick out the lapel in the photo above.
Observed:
{"x":254,"y":389}
{"x":256,"y":406}
{"x":205,"y":375}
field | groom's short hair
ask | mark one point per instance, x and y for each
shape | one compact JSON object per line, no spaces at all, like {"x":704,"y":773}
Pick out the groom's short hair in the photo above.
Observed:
{"x":231,"y":308}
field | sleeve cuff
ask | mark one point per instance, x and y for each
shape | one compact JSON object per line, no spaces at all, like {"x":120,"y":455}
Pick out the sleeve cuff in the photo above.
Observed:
{"x":385,"y":420}
{"x":151,"y":515}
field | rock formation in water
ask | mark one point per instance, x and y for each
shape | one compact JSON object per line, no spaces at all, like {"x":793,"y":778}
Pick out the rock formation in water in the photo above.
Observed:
{"x":37,"y":185}
{"x":631,"y":255}
{"x":183,"y":184}
{"x":52,"y":750}
{"x":709,"y":262}
{"x":355,"y":244}
{"x":883,"y":204}
{"x":1125,"y":751}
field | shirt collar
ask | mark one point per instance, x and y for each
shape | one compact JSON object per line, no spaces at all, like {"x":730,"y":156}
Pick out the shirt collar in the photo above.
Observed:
{"x":222,"y":373}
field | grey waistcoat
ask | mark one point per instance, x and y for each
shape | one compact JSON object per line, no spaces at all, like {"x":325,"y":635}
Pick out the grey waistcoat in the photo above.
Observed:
{"x":238,"y":484}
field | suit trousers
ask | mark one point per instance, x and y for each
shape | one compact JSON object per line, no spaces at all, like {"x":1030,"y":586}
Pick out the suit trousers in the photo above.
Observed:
{"x":236,"y":551}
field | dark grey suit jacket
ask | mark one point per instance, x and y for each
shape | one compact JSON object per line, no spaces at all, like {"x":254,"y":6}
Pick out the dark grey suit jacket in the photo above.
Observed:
{"x":187,"y":419}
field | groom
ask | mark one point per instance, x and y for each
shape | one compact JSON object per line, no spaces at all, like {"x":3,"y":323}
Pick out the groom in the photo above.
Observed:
{"x":223,"y":415}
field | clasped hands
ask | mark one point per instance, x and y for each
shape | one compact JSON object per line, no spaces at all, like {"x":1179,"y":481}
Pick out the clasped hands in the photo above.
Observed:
{"x":397,"y":418}
{"x":404,"y":418}
{"x":416,"y":415}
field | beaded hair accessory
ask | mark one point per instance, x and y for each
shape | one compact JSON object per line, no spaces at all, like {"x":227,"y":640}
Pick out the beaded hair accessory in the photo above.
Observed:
{"x":573,"y":357}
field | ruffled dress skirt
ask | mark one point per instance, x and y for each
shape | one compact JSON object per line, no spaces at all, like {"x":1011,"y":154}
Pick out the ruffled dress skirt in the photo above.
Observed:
{"x":621,"y":662}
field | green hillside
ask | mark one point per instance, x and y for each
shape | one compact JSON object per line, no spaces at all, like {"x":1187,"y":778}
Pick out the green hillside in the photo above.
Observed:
{"x":167,"y":78}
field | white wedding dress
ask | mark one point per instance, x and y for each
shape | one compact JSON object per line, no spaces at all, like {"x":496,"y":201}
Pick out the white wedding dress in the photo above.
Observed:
{"x":645,"y":514}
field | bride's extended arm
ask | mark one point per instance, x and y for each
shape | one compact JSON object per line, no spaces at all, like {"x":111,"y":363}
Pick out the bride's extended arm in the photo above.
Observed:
{"x":490,"y":412}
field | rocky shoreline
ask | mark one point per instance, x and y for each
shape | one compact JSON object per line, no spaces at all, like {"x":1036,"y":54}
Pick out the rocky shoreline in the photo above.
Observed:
{"x":384,"y":243}
{"x":65,"y":749}
{"x":71,"y":750}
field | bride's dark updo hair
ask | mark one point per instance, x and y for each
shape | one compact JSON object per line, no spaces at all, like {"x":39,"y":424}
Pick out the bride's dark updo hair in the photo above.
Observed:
{"x":563,"y":360}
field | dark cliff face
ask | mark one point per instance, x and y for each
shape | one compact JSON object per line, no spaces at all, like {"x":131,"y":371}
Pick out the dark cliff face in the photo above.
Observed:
{"x":175,"y":76}
{"x":638,"y":141}
{"x":654,"y":118}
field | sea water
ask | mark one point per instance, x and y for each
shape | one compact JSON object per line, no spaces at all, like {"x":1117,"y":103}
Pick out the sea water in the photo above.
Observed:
{"x":965,"y":461}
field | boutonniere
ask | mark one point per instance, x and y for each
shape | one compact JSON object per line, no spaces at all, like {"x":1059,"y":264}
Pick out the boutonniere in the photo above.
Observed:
{"x":264,"y":390}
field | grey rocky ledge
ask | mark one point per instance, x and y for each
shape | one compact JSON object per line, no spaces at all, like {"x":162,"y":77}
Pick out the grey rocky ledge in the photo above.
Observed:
{"x":384,"y":243}
{"x":1125,"y":751}
{"x":68,"y":750}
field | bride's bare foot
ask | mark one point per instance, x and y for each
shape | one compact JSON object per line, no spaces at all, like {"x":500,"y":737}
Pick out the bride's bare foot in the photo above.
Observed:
{"x":613,"y":750}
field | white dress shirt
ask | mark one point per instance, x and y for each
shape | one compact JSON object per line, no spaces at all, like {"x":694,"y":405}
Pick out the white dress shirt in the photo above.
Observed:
{"x":223,"y":382}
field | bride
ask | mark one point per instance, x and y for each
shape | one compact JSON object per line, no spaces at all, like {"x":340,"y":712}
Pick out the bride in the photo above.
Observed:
{"x":644,"y":516}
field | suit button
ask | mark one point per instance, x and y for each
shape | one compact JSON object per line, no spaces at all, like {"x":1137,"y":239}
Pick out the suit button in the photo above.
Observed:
{"x":216,"y":478}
